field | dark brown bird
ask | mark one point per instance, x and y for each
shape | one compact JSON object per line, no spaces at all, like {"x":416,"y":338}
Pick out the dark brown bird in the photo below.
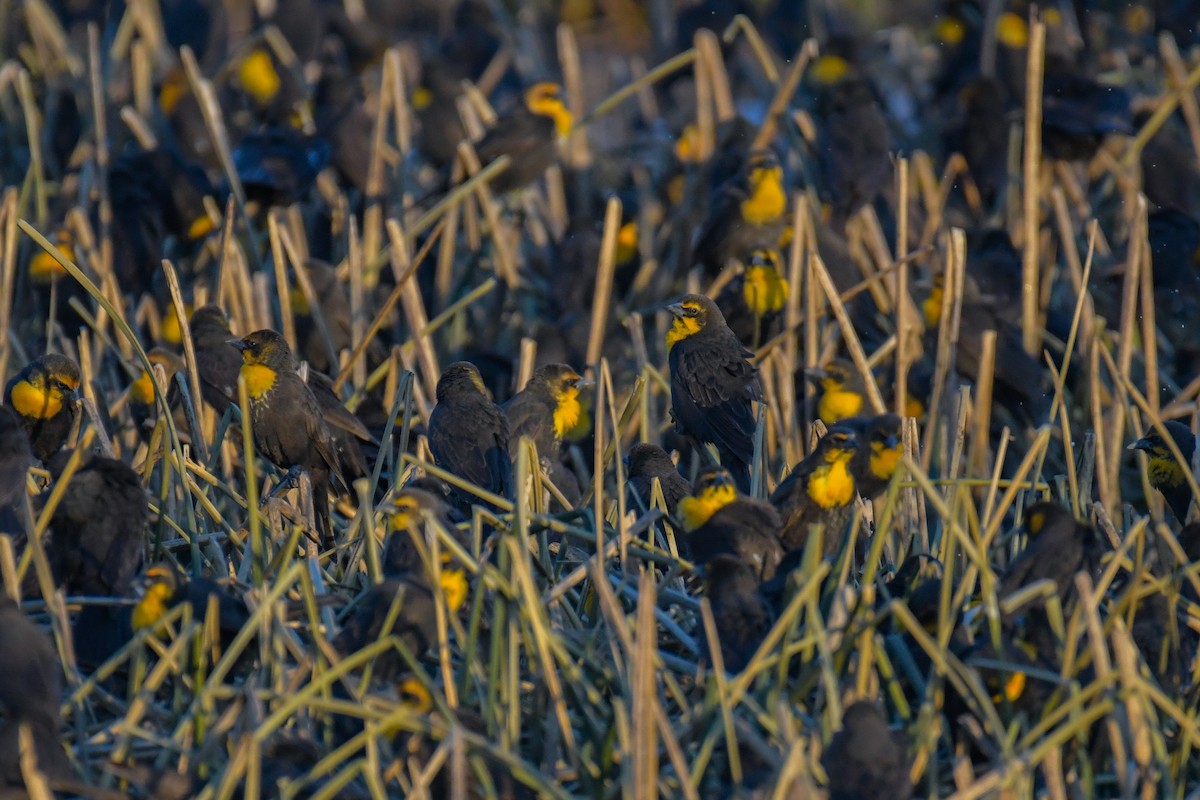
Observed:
{"x":866,"y":759}
{"x":741,"y":614}
{"x":544,"y":411}
{"x":820,"y":489}
{"x":647,"y":462}
{"x":717,"y":521}
{"x":878,"y":454}
{"x":287,"y":421}
{"x":713,"y":384}
{"x":30,"y":694}
{"x":97,"y":541}
{"x":469,"y":434}
{"x":528,"y":136}
{"x":217,"y":361}
{"x":44,"y":395}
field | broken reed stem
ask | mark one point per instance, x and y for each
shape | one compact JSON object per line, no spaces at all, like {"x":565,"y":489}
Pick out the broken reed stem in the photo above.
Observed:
{"x":1030,"y":334}
{"x":783,"y":95}
{"x":602,"y":298}
{"x":849,"y":335}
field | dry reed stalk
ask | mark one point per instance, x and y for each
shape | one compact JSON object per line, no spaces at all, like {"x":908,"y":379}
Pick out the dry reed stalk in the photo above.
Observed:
{"x":602,"y":298}
{"x":1035,"y":69}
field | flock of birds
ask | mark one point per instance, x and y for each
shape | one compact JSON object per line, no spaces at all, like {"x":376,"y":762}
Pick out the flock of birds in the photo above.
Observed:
{"x":224,"y":174}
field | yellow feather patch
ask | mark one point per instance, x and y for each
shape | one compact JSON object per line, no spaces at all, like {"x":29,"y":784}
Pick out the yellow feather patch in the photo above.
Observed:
{"x":258,"y":76}
{"x":680,"y":329}
{"x":767,"y":200}
{"x":151,"y":608}
{"x":1012,"y":31}
{"x":142,"y":389}
{"x":201,"y":226}
{"x":33,"y":402}
{"x":259,"y":379}
{"x":566,"y":411}
{"x":949,"y":30}
{"x":831,"y":485}
{"x":884,"y":461}
{"x":837,"y":403}
{"x":695,"y":511}
{"x":764,"y":290}
{"x":931,"y":308}
{"x":454,"y":587}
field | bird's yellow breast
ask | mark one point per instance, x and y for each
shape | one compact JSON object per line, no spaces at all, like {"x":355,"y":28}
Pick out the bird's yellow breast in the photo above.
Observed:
{"x":884,"y":461}
{"x":1164,"y":471}
{"x":764,"y":290}
{"x":831,"y":485}
{"x":33,"y":402}
{"x":838,"y":404}
{"x":767,"y":201}
{"x":680,"y":329}
{"x":696,"y":511}
{"x":567,"y":410}
{"x":259,"y":379}
{"x":142,"y":389}
{"x":151,"y":608}
{"x":259,"y":77}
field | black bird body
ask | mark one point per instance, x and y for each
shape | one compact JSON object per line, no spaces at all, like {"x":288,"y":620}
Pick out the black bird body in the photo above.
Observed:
{"x":713,"y":384}
{"x":646,"y":462}
{"x":30,"y":693}
{"x":469,"y":434}
{"x":1059,"y":547}
{"x":742,"y":616}
{"x":217,"y":361}
{"x":866,"y":759}
{"x":16,"y":457}
{"x":97,"y":544}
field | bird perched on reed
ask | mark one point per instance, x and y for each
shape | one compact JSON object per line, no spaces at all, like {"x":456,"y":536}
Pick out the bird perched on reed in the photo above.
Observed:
{"x":286,"y":419}
{"x":713,"y":384}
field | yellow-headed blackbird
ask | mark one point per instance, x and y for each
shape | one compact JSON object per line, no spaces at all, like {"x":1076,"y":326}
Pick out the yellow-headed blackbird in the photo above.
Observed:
{"x":142,"y":406}
{"x":545,"y":411}
{"x":289,"y":428}
{"x":855,"y":146}
{"x":748,"y":212}
{"x":31,"y":694}
{"x":16,"y":458}
{"x":717,"y":522}
{"x":1058,"y":548}
{"x":44,"y":394}
{"x":1078,"y":112}
{"x":469,"y":434}
{"x":753,"y":301}
{"x":1165,"y":473}
{"x":217,"y":361}
{"x":879,"y":450}
{"x":1018,"y":380}
{"x":866,"y":758}
{"x":44,"y":268}
{"x":820,"y":489}
{"x":415,"y":623}
{"x":982,"y":138}
{"x":741,"y":614}
{"x":348,"y":432}
{"x":843,"y":394}
{"x":713,"y":384}
{"x":406,"y":520}
{"x":278,"y":166}
{"x":643,"y":465}
{"x":97,"y":543}
{"x":165,"y":588}
{"x":528,"y":136}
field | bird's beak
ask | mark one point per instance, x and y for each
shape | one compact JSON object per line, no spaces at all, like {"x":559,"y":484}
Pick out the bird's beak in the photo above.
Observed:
{"x":238,"y":343}
{"x":584,"y":383}
{"x":676,"y":309}
{"x":815,"y":374}
{"x":1140,"y":444}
